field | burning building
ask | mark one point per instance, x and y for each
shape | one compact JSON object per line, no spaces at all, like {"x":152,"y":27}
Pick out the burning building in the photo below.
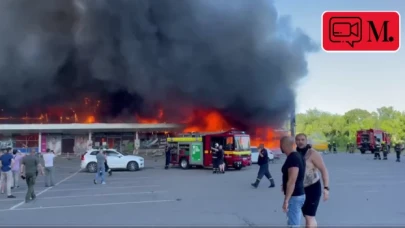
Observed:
{"x":207,"y":64}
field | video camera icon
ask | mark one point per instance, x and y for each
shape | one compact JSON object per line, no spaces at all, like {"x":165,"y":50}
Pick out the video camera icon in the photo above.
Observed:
{"x":345,"y":29}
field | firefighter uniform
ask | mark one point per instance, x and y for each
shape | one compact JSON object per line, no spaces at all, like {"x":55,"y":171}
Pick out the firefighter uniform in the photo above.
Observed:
{"x":263,"y":163}
{"x":384,"y":148}
{"x":398,"y":151}
{"x":351,"y":148}
{"x":329,"y":147}
{"x":334,"y":147}
{"x":215,"y":165}
{"x":377,"y":150}
{"x":167,"y":155}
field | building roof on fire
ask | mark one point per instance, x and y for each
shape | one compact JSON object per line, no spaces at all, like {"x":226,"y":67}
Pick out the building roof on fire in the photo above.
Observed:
{"x":85,"y":128}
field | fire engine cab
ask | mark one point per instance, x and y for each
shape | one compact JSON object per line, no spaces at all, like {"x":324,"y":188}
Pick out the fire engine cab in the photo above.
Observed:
{"x":194,"y":149}
{"x":368,"y":140}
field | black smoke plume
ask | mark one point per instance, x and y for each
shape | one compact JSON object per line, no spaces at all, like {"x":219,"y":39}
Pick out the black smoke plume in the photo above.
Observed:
{"x":235,"y":56}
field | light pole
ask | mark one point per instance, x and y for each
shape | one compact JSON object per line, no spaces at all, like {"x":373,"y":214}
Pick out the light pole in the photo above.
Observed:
{"x":292,"y":122}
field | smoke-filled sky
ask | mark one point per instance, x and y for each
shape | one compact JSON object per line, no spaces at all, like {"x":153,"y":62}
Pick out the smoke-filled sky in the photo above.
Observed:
{"x":236,"y":56}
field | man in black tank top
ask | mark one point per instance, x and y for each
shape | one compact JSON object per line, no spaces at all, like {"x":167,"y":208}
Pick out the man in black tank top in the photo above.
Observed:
{"x":293,"y":172}
{"x":312,"y":182}
{"x":263,"y":163}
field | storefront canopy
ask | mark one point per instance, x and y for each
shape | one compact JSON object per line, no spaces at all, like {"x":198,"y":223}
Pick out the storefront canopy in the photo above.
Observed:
{"x":85,"y":128}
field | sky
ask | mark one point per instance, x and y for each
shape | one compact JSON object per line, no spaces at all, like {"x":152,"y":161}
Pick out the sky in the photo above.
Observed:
{"x":339,"y":82}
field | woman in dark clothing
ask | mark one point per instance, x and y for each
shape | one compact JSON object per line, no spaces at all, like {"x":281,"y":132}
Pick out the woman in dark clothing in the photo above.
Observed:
{"x":220,"y":157}
{"x":107,"y":168}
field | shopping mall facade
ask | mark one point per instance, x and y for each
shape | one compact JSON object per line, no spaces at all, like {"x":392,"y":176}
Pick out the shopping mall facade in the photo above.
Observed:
{"x":75,"y":139}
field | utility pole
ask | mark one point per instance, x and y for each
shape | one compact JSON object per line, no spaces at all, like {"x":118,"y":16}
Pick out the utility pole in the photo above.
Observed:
{"x":292,"y":122}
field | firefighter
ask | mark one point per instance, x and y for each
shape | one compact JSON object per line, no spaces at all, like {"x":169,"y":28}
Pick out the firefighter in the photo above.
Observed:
{"x":352,"y":148}
{"x":334,"y":147}
{"x":398,"y":151}
{"x":215,"y":165}
{"x":329,"y":147}
{"x":384,"y":148}
{"x":377,"y":150}
{"x":348,"y":147}
{"x":263,"y":162}
{"x":167,"y":155}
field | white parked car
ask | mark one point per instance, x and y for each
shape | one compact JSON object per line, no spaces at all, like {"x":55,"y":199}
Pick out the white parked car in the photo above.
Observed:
{"x":115,"y":160}
{"x":255,"y":154}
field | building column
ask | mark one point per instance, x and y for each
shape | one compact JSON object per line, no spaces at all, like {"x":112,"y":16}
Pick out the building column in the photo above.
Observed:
{"x":90,"y":141}
{"x":136,"y":143}
{"x":39,"y":142}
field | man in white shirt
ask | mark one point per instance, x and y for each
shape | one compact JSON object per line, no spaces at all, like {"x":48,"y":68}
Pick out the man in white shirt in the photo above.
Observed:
{"x":48,"y":163}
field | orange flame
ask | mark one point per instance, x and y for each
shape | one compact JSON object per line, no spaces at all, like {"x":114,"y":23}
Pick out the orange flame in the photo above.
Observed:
{"x":60,"y":114}
{"x":91,"y":119}
{"x":268,"y":136}
{"x":199,"y":121}
{"x":212,"y":121}
{"x":158,"y":119}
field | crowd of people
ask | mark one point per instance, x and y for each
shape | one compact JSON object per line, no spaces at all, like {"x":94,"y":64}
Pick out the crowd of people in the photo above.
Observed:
{"x":302,"y":172}
{"x":16,"y":165}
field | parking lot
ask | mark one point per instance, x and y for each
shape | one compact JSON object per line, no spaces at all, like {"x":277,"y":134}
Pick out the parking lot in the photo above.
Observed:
{"x":363,"y":192}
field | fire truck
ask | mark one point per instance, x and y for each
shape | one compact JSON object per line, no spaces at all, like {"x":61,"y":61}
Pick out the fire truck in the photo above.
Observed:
{"x":366,"y":139}
{"x":194,"y":149}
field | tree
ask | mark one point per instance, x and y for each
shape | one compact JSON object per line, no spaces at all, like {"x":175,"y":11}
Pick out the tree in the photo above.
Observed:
{"x":342,"y":128}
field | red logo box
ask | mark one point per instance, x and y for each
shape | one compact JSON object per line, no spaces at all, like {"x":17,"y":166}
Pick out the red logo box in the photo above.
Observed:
{"x":363,"y":31}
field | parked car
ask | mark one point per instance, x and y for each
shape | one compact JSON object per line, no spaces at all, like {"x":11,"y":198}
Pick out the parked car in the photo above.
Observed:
{"x":115,"y":159}
{"x":255,"y":154}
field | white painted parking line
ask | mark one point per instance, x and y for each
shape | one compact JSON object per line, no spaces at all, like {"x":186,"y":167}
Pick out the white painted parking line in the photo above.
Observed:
{"x":47,"y":189}
{"x":107,"y":179}
{"x":110,"y":182}
{"x":92,"y":195}
{"x":103,"y":187}
{"x":90,"y":205}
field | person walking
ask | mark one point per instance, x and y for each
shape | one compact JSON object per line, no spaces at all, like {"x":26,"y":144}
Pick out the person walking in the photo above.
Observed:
{"x":49,"y":158}
{"x":100,"y":173}
{"x":7,"y":162}
{"x":384,"y":148}
{"x":30,"y":165}
{"x":293,"y":172}
{"x":312,"y":182}
{"x":16,"y":168}
{"x":398,"y":149}
{"x":107,"y":168}
{"x":263,"y":162}
{"x":334,"y":147}
{"x":378,"y":147}
{"x":167,"y":156}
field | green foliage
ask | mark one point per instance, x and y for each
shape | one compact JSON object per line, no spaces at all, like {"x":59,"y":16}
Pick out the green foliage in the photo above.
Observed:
{"x":342,"y":128}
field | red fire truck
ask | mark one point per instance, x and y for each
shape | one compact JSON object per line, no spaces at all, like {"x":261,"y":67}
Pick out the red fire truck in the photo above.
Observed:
{"x":367,"y":139}
{"x":194,"y":149}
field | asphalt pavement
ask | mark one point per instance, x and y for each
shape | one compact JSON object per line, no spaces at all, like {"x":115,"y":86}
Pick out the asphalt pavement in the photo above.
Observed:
{"x":362,"y":192}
